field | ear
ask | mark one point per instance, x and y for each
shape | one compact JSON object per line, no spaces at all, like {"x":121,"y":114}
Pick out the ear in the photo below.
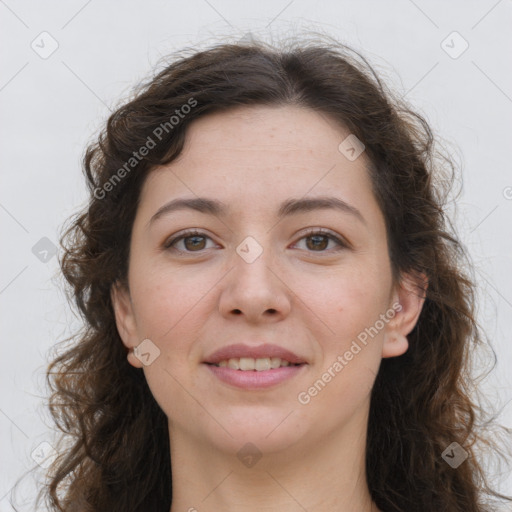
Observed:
{"x":407,"y":302}
{"x":125,"y":320}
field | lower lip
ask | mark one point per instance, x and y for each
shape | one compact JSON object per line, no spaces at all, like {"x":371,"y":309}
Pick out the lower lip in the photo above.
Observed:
{"x":254,"y":379}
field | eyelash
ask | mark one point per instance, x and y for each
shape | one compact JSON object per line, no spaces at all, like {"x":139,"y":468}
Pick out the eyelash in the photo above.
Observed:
{"x":318,"y":231}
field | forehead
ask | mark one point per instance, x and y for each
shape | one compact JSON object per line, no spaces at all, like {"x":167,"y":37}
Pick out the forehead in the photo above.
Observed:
{"x":260,"y":156}
{"x":268,"y":132}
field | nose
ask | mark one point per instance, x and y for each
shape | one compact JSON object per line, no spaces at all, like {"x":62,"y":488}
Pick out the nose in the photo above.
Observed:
{"x":255,"y":290}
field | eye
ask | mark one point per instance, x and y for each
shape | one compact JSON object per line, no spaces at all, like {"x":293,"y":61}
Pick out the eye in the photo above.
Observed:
{"x":318,"y":240}
{"x":194,"y":241}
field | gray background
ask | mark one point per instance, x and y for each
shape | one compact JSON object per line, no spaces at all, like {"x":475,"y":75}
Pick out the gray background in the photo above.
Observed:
{"x":51,"y":107}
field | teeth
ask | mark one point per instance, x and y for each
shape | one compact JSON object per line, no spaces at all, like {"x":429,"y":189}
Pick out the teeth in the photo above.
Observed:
{"x":275,"y":362}
{"x":234,"y":364}
{"x":263,"y":364}
{"x":249,"y":363}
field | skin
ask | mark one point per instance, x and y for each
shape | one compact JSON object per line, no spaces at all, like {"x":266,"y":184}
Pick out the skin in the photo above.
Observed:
{"x":303,"y":296}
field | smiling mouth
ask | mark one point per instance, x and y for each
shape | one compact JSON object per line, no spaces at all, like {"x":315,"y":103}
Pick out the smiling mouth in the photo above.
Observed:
{"x":252,"y":364}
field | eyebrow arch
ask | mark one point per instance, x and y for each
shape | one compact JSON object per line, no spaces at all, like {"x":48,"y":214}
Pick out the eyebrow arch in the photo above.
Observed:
{"x":303,"y":205}
{"x":288,"y":207}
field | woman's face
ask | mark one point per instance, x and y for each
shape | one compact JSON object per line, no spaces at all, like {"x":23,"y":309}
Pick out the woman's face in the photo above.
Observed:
{"x":259,"y":272}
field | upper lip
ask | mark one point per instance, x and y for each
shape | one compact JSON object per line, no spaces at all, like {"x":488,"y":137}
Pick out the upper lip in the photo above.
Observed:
{"x":257,"y":352}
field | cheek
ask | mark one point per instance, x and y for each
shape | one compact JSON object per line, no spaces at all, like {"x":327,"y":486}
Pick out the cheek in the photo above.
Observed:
{"x":168,"y":311}
{"x":351,"y":351}
{"x":348,"y":299}
{"x":167,"y":299}
{"x":337,"y":400}
{"x":349,"y":338}
{"x":157,"y":307}
{"x":165,"y":378}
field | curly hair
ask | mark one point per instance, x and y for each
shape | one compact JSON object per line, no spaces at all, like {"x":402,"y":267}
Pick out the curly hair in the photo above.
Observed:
{"x":115,"y":446}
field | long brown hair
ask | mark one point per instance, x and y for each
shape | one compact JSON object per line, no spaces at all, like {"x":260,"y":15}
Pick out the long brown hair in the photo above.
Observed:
{"x":116,"y":452}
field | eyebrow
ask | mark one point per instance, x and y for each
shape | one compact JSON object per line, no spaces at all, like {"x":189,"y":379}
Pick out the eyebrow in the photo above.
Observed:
{"x":288,"y":207}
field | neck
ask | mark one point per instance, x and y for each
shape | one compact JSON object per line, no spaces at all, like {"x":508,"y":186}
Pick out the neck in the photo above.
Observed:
{"x":324,"y":475}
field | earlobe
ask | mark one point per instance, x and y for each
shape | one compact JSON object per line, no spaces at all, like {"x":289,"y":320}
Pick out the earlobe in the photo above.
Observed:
{"x":394,"y":345}
{"x":410,"y":295}
{"x":125,"y":320}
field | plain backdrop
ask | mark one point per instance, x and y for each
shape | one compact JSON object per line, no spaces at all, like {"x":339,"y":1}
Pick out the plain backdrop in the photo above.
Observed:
{"x":448,"y":59}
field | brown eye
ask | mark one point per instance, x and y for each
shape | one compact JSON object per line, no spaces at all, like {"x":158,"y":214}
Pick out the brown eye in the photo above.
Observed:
{"x":319,"y":239}
{"x":191,"y":241}
{"x":195,"y":242}
{"x":317,"y":242}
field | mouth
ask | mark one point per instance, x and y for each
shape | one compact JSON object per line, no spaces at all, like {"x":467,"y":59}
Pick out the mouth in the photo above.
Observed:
{"x":260,"y":364}
{"x":253,"y":357}
{"x":255,"y":379}
{"x":254,"y":368}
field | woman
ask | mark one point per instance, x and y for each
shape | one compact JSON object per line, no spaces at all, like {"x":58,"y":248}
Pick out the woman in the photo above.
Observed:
{"x":276,"y":317}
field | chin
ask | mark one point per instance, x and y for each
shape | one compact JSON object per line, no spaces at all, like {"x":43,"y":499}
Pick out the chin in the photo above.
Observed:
{"x":268,"y":429}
